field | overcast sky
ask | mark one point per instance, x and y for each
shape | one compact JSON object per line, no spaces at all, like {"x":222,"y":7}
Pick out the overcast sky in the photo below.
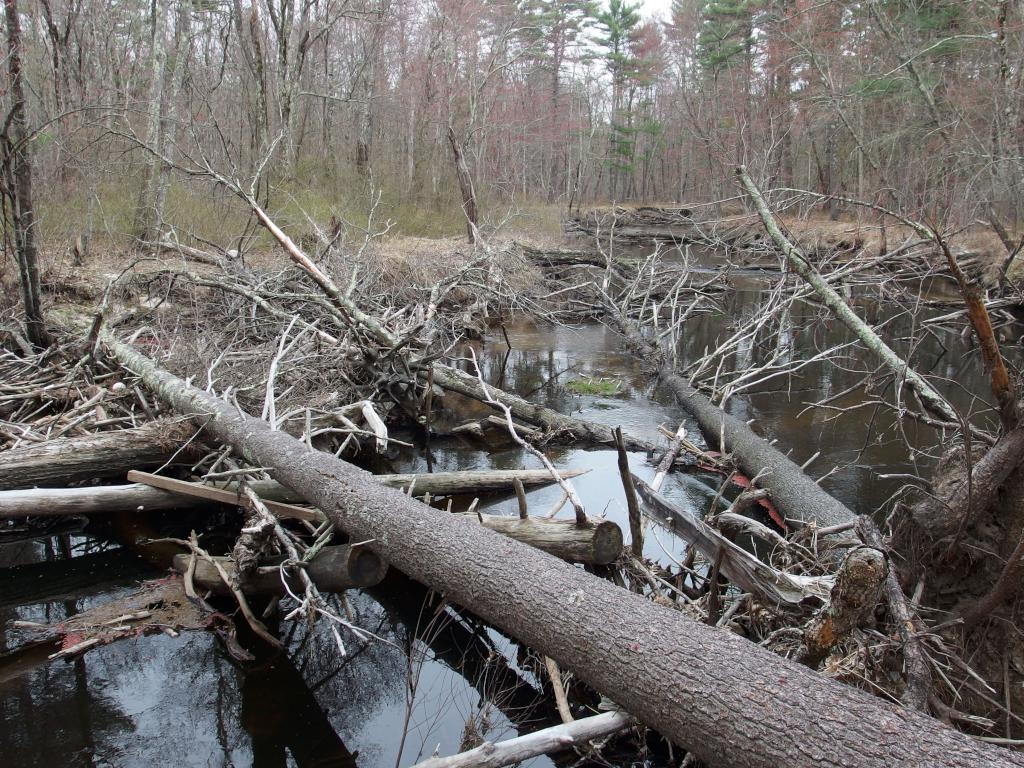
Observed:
{"x":656,"y":8}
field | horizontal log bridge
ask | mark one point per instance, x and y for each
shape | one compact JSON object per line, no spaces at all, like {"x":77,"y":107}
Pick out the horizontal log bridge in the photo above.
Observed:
{"x":104,"y":454}
{"x":106,"y":499}
{"x":599,"y":543}
{"x":335,"y":569}
{"x":728,"y":701}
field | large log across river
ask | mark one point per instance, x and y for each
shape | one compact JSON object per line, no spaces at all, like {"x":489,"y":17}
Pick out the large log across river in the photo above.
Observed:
{"x":730,"y":702}
{"x":792,"y":490}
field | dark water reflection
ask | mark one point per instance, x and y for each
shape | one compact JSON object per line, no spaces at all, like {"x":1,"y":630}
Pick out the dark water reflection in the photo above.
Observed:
{"x":158,"y":699}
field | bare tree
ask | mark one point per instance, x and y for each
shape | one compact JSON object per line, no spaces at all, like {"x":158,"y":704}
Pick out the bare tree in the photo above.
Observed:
{"x":17,"y":179}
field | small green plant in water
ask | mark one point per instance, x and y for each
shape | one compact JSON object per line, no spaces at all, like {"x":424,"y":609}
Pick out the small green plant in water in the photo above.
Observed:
{"x":588,"y":386}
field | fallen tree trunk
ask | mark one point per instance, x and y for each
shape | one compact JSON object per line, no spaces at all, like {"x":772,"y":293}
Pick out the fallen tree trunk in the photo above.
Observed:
{"x":929,"y":396}
{"x":104,"y":454}
{"x":723,"y":698}
{"x":107,"y":499}
{"x":335,"y":569}
{"x":792,"y":491}
{"x":595,"y":543}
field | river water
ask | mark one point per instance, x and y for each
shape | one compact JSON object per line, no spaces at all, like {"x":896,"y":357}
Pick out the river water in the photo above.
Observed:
{"x":435,"y":678}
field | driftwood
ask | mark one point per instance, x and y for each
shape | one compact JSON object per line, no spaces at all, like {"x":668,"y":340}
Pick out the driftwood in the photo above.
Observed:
{"x":104,"y":454}
{"x":106,"y":499}
{"x":335,"y":569}
{"x":736,"y":564}
{"x":549,"y":740}
{"x":726,"y":700}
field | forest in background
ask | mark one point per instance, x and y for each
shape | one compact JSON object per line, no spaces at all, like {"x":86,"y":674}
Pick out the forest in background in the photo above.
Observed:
{"x":324,"y":105}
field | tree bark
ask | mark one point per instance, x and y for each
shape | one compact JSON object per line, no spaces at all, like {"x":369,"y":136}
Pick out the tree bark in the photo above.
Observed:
{"x":793,"y":492}
{"x":723,"y":698}
{"x":19,"y":183}
{"x":104,"y":454}
{"x":469,"y":207}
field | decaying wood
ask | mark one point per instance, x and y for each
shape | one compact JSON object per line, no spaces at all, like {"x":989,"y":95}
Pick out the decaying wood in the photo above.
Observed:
{"x":855,"y":594}
{"x":104,"y":454}
{"x":107,"y":499}
{"x":999,"y":378}
{"x":726,"y":700}
{"x":918,"y":672}
{"x":335,"y":569}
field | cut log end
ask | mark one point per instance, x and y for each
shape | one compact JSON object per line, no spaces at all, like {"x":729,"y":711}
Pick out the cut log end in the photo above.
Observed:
{"x":599,"y":543}
{"x":607,"y":542}
{"x":364,"y":567}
